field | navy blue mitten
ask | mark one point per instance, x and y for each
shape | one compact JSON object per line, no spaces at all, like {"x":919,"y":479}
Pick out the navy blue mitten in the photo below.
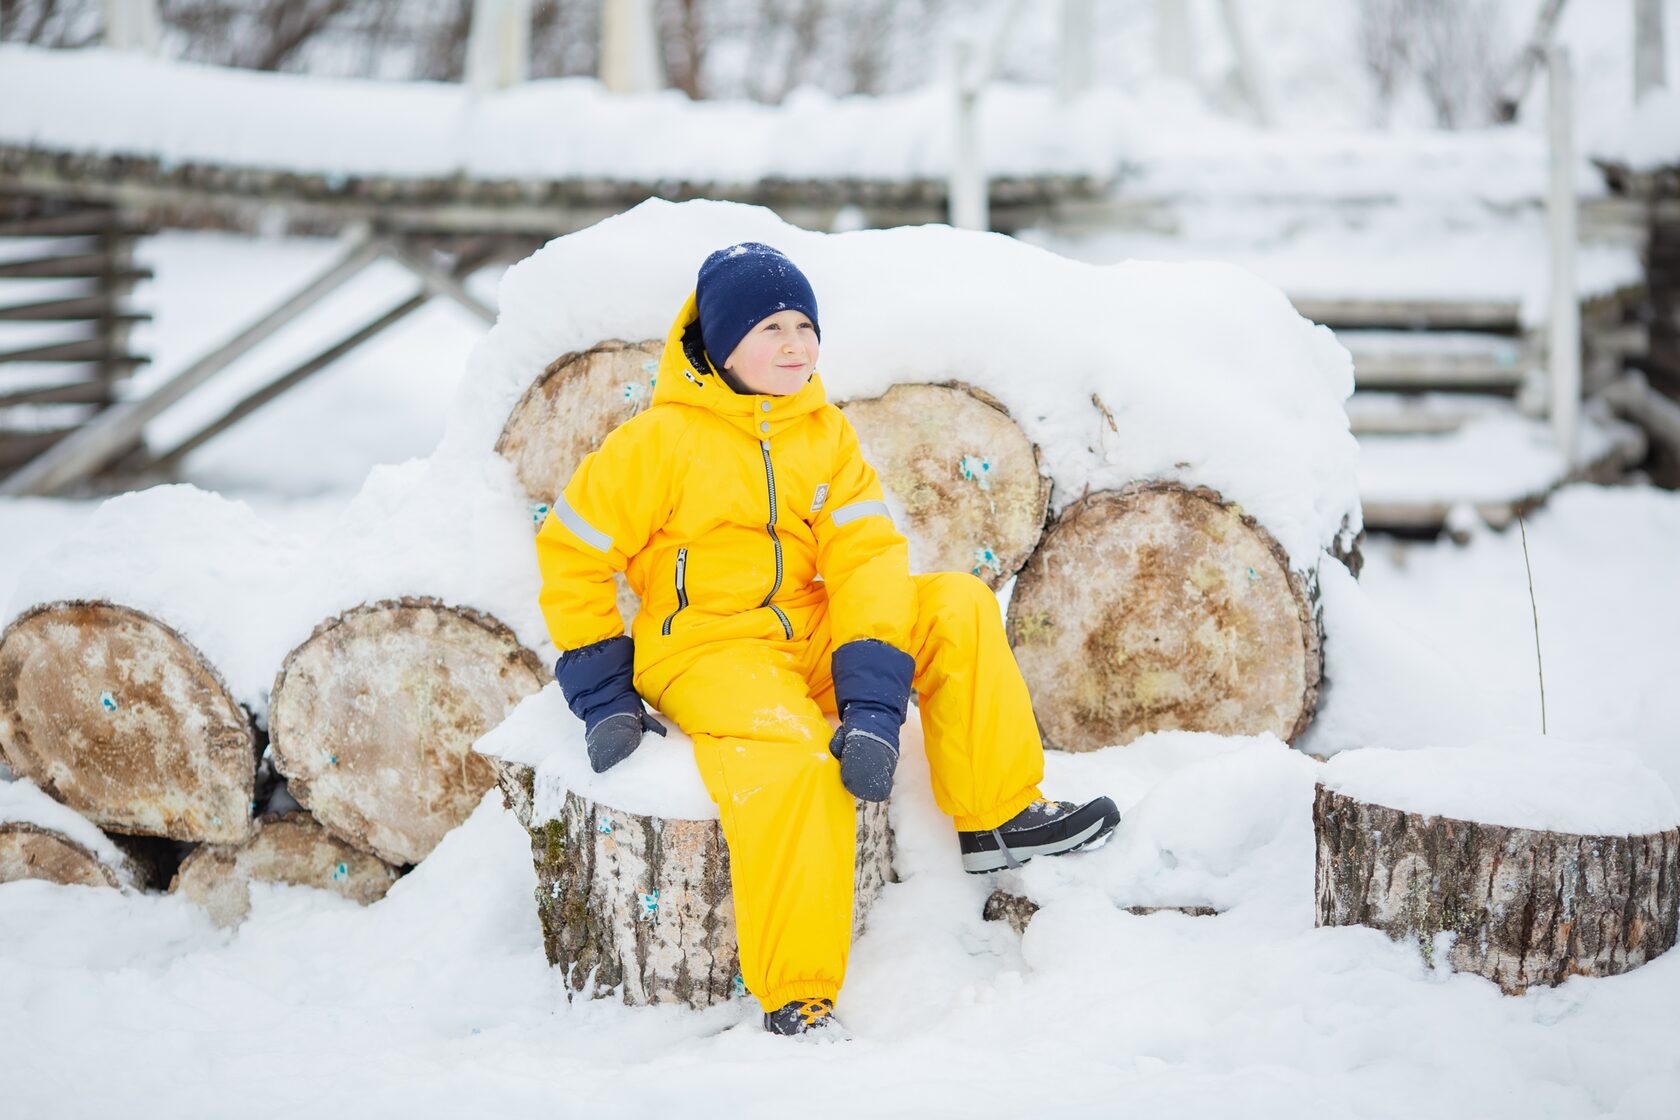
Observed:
{"x":872,"y":691}
{"x":597,"y":682}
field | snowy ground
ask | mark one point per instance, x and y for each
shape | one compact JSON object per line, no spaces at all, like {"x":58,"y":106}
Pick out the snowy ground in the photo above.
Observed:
{"x":437,"y":1002}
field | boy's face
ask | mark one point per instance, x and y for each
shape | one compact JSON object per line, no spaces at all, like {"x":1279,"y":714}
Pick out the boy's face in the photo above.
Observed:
{"x":777,"y":356}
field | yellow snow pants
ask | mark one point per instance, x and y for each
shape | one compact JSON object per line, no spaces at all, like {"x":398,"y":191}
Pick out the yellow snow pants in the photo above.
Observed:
{"x":755,"y":710}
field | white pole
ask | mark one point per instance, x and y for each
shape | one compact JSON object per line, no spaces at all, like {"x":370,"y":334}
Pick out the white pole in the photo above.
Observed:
{"x":1078,"y":27}
{"x":498,"y":44}
{"x":969,"y":202}
{"x":1648,"y":56}
{"x":131,"y":25}
{"x":629,"y":47}
{"x":1564,"y":345}
{"x":1248,"y":66}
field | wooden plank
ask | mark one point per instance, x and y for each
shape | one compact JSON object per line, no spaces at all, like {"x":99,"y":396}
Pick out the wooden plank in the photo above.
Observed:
{"x":73,"y":223}
{"x":114,"y":432}
{"x":17,"y":448}
{"x":1410,"y":314}
{"x":83,"y":392}
{"x":72,"y":309}
{"x":82,"y":350}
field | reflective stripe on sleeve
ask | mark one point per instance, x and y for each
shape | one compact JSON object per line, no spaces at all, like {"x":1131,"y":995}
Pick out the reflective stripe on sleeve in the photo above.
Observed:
{"x":847,"y":514}
{"x":574,"y":521}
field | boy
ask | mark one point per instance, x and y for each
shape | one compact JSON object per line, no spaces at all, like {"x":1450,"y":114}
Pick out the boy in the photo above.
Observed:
{"x":722,"y":503}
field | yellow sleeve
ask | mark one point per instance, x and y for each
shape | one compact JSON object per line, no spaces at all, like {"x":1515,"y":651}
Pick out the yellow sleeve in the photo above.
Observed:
{"x":863,"y":558}
{"x":616,"y":499}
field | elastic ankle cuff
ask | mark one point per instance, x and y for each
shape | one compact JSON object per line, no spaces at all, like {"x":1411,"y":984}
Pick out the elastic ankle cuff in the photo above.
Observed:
{"x":981,"y":822}
{"x":777,"y":998}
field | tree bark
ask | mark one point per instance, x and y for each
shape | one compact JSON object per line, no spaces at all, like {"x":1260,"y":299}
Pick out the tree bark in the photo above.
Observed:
{"x":642,"y":906}
{"x":284,"y":848}
{"x":372,"y":720}
{"x":1519,"y":906}
{"x":965,"y":474}
{"x":119,"y":717}
{"x":1158,"y":607}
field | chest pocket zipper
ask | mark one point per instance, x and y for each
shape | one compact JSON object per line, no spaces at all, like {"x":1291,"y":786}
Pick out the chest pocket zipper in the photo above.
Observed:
{"x":682,"y":591}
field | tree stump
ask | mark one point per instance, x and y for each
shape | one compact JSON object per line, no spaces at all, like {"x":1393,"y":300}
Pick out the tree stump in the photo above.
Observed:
{"x":30,"y":851}
{"x":372,"y":720}
{"x":569,"y":409}
{"x":1160,"y":608}
{"x":964,"y":473}
{"x":642,"y":905}
{"x":119,"y":717}
{"x":283,"y":848}
{"x":1522,"y":906}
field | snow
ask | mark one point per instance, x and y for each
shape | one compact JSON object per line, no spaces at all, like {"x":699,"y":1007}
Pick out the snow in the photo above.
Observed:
{"x":1649,"y":138}
{"x":177,"y":112}
{"x":1502,"y":457}
{"x":21,"y":800}
{"x":204,"y":565}
{"x":1211,"y":376}
{"x":1524,"y":782}
{"x":658,"y":780}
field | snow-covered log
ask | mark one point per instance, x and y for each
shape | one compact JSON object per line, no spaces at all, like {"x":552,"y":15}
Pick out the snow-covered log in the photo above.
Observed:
{"x":965,"y":476}
{"x":569,"y":409}
{"x":1158,"y":607}
{"x":118,"y":716}
{"x":41,"y":838}
{"x":1018,"y":910}
{"x":372,"y":718}
{"x":1583,"y":880}
{"x":632,"y":869}
{"x":28,"y":851}
{"x":284,"y":848}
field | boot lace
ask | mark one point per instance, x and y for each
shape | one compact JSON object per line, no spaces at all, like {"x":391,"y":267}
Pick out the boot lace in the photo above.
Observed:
{"x":814,"y":1011}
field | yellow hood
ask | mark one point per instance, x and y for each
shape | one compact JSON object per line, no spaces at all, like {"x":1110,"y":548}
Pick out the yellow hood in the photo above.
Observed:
{"x":679,"y":382}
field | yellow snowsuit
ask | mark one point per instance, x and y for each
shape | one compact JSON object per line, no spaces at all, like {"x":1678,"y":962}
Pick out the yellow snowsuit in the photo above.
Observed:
{"x":722,"y":509}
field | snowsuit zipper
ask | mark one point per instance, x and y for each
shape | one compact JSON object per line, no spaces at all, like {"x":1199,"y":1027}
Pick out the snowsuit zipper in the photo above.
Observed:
{"x":682,"y":592}
{"x":770,"y":482}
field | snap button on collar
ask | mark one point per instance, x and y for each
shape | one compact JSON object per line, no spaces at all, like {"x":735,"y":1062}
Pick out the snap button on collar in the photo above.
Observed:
{"x":765,"y":405}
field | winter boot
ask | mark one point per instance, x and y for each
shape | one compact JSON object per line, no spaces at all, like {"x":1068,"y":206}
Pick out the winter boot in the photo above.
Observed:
{"x":802,"y":1016}
{"x":1044,"y":828}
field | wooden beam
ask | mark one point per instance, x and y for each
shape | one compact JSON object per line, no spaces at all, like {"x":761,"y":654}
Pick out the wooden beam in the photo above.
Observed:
{"x":80,"y":392}
{"x":70,"y":266}
{"x":115,"y":431}
{"x":80,"y":350}
{"x":169,"y":460}
{"x":73,"y":309}
{"x":438,"y":281}
{"x":75,"y":223}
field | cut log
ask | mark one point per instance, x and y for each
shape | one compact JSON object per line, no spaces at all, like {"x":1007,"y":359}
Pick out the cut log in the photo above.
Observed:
{"x":964,"y":473}
{"x":29,"y":851}
{"x":568,"y":410}
{"x":284,"y":848}
{"x":372,"y":720}
{"x":119,"y":717}
{"x":1018,"y":910}
{"x":1156,"y":608}
{"x":1521,"y":906}
{"x":641,"y":906}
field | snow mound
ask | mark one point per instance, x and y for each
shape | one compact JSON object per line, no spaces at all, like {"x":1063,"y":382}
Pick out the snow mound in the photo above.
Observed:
{"x":659,"y":779}
{"x":1520,"y":783}
{"x":210,"y":568}
{"x":24,"y":801}
{"x":454,"y":529}
{"x":1649,"y":137}
{"x":1211,"y":376}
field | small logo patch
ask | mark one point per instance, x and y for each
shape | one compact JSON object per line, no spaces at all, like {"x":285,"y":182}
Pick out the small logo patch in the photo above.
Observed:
{"x":822,"y":496}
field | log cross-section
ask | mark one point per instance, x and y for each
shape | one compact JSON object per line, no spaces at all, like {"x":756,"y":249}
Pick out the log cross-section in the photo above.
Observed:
{"x":119,"y":717}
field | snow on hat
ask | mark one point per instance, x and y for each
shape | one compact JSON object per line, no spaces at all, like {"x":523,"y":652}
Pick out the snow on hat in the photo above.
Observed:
{"x":742,"y":285}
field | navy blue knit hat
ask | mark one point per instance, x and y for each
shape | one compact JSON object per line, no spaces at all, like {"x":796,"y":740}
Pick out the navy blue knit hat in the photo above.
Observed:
{"x":741,"y":286}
